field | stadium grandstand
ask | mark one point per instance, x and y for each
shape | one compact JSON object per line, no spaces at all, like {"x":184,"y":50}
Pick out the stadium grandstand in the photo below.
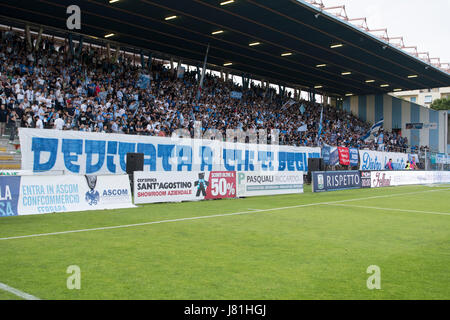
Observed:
{"x":97,"y":80}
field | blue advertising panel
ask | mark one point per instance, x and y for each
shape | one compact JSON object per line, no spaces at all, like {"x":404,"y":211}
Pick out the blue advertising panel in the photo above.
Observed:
{"x":335,"y":180}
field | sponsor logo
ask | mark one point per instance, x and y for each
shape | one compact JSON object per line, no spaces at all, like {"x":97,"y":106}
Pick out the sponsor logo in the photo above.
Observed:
{"x":269,"y":179}
{"x":366,"y":179}
{"x":150,"y":187}
{"x":115,"y":195}
{"x":201,"y":185}
{"x":222,"y":184}
{"x":369,"y":163}
{"x":259,"y":179}
{"x":336,"y":180}
{"x":92,"y":196}
{"x":342,"y":180}
{"x":320,"y":184}
{"x":185,"y":186}
{"x":153,"y":184}
{"x":366,"y":175}
{"x":381,"y":180}
{"x":269,"y":183}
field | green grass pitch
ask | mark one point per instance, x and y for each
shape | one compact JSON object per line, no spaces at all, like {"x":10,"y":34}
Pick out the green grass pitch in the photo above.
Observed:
{"x":294,"y":247}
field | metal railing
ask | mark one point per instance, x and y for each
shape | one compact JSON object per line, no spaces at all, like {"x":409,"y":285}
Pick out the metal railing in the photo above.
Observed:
{"x":434,"y":161}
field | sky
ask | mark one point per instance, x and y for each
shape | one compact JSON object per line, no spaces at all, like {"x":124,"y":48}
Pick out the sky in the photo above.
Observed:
{"x":422,"y":23}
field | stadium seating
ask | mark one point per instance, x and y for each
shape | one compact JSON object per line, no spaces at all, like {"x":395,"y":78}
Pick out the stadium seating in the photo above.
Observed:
{"x":51,"y":89}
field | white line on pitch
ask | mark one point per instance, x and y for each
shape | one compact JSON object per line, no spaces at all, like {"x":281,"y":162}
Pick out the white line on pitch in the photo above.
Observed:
{"x":388,"y":209}
{"x":18,"y":293}
{"x":215,"y":216}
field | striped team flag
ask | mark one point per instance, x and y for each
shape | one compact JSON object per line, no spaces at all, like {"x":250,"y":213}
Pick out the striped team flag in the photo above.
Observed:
{"x":374,"y":130}
{"x":320,"y":125}
{"x":200,"y":87}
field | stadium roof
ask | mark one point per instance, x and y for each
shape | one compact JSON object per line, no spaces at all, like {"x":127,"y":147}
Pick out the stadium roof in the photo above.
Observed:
{"x":285,"y":41}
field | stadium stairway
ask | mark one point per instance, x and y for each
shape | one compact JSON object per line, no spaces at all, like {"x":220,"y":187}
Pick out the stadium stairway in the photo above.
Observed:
{"x":10,"y":156}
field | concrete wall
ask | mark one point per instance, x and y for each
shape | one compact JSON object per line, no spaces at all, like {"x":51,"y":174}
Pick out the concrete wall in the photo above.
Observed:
{"x":419,"y":95}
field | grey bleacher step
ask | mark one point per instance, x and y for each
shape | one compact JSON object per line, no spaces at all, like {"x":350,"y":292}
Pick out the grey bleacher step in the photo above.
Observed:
{"x":6,"y":162}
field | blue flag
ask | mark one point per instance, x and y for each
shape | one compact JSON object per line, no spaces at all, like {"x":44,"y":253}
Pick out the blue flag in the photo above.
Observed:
{"x":320,"y":125}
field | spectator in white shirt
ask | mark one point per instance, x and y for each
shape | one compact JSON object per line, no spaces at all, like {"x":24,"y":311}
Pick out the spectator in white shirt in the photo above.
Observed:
{"x":39,"y":123}
{"x":59,"y":124}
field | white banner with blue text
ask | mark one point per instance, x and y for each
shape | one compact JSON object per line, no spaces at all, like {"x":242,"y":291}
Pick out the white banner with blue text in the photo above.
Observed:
{"x":377,"y":160}
{"x":402,"y":178}
{"x":27,"y":195}
{"x":75,"y":152}
{"x":268,"y":183}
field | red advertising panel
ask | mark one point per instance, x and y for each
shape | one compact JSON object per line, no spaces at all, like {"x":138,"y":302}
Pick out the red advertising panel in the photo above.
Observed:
{"x":222,"y":184}
{"x":344,"y":156}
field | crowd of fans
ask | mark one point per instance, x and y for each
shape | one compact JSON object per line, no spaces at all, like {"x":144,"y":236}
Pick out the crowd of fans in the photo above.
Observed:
{"x":52,"y":88}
